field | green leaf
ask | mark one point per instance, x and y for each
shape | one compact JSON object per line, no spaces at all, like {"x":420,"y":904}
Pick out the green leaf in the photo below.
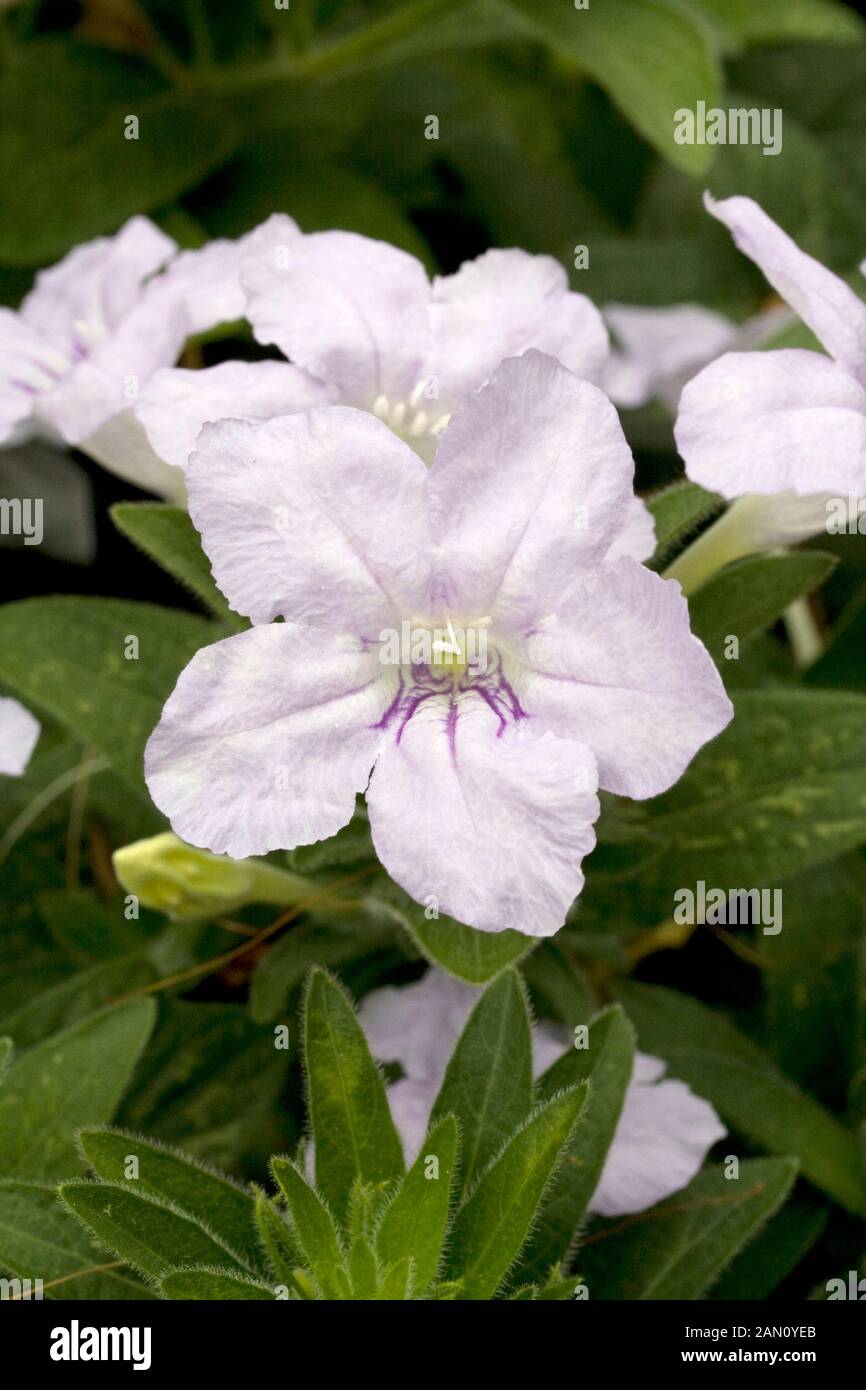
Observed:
{"x":362,"y":1269}
{"x":776,"y":1251}
{"x":312,"y":1225}
{"x":74,"y":1078}
{"x":395,"y":1282}
{"x":741,"y":22}
{"x":76,"y":998}
{"x":214,"y":1286}
{"x":814,"y":983}
{"x":86,"y":928}
{"x":607,"y":1062}
{"x":650,"y":56}
{"x":168,"y":536}
{"x":276,"y":1239}
{"x":743,"y":1084}
{"x":66,"y":656}
{"x":781,"y":789}
{"x":68,"y":172}
{"x":208,"y":1197}
{"x":678,"y":511}
{"x":551,"y":974}
{"x":6,"y":1047}
{"x":680,"y":1247}
{"x":38,"y":1239}
{"x":414,"y":1225}
{"x":350,"y":1118}
{"x":748,"y":596}
{"x":491,"y":1227}
{"x":470,"y":955}
{"x":211,"y":1086}
{"x":283,"y":968}
{"x":153,"y":1238}
{"x":488,"y":1082}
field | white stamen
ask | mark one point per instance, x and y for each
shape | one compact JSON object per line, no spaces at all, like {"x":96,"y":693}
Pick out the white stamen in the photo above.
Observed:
{"x":90,"y":331}
{"x":419,"y":424}
{"x":381,"y":407}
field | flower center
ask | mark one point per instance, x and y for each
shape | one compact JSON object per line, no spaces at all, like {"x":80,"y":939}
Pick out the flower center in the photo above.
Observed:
{"x":419,"y":420}
{"x":440,"y":649}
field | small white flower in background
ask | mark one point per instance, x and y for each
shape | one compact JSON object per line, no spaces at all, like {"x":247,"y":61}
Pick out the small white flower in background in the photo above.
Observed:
{"x":483,"y":781}
{"x":787,"y":420}
{"x":19,"y":731}
{"x":659,"y":350}
{"x":92,"y":331}
{"x":664,"y":1132}
{"x":88,"y":324}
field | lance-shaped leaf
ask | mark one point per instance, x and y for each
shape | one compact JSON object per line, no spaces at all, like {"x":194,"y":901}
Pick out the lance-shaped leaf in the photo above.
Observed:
{"x":488,"y":1082}
{"x":150,"y":1236}
{"x":201,"y":1193}
{"x":313,"y":1226}
{"x":168,"y":536}
{"x":414,"y":1224}
{"x":608,"y":1062}
{"x":363,"y":1272}
{"x":38,"y":1239}
{"x":350,"y":1118}
{"x":214,"y":1286}
{"x":680,"y":1247}
{"x":748,"y":597}
{"x":473,"y":956}
{"x":74,"y":1078}
{"x":491,"y":1227}
{"x":274,"y":1234}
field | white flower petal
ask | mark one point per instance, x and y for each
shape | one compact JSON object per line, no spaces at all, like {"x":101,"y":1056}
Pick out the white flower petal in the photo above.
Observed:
{"x":783,"y":421}
{"x":824,"y":302}
{"x":267,"y":738}
{"x":19,"y":731}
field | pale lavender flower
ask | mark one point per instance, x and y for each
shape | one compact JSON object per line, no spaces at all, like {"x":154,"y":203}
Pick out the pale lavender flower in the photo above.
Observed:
{"x":663,"y":1134}
{"x":86,"y":333}
{"x":783,"y":421}
{"x":362,"y":325}
{"x":95,"y":327}
{"x":19,"y":731}
{"x":482,"y":793}
{"x":659,"y":350}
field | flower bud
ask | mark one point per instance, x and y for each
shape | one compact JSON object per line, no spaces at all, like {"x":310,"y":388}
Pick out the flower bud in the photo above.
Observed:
{"x":170,"y":876}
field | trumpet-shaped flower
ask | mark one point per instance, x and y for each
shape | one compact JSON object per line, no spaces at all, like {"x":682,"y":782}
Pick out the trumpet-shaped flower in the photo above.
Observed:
{"x":362,"y":325}
{"x":536,"y":664}
{"x":664,"y":1131}
{"x":786,"y":420}
{"x":19,"y":731}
